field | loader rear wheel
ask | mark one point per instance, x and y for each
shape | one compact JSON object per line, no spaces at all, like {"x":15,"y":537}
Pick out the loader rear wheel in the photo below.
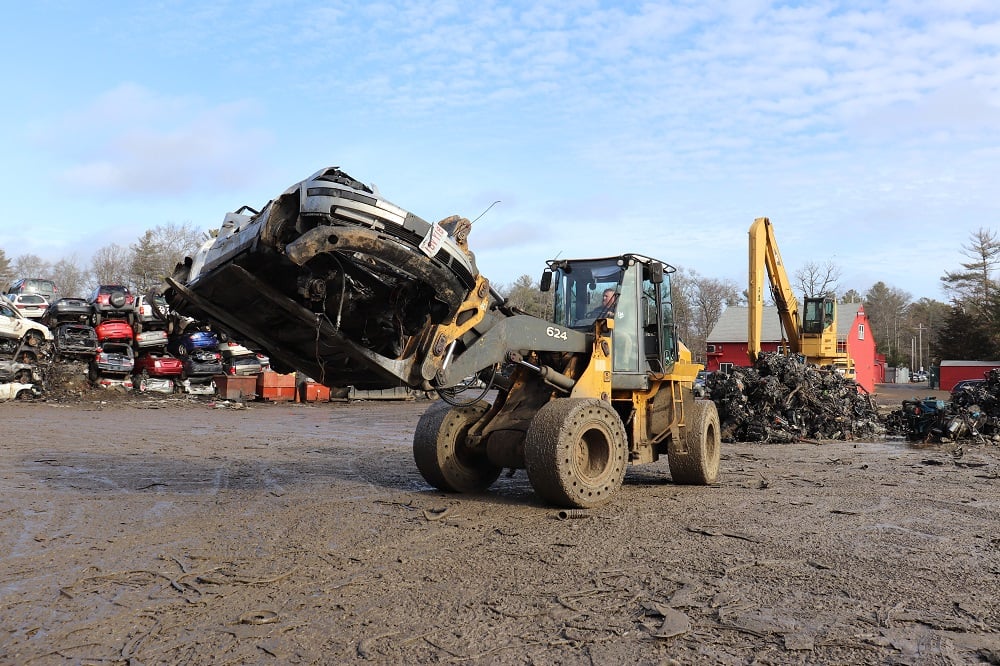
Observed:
{"x":697,"y":463}
{"x":441,"y":454}
{"x":576,"y":451}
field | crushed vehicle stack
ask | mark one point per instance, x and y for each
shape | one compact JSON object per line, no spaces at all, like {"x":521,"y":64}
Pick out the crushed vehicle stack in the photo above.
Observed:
{"x":781,"y":399}
{"x":971,"y":414}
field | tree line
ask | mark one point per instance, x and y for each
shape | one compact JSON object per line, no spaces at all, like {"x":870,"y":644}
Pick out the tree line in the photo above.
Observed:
{"x":912,"y":333}
{"x":139,"y":265}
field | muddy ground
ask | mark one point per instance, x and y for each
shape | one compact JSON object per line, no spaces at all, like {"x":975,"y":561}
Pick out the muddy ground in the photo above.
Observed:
{"x":171,"y":531}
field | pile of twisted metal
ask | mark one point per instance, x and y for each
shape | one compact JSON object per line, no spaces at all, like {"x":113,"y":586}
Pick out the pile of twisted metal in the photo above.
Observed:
{"x":781,"y":399}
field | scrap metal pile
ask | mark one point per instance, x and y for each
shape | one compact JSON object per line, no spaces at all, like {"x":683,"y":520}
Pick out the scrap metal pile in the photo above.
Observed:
{"x":781,"y":399}
{"x":973,"y":414}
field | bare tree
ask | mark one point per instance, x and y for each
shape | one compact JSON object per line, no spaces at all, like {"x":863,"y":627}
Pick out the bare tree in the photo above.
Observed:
{"x":70,"y":277}
{"x":31,"y":266}
{"x":158,"y":250}
{"x":698,"y":304}
{"x":526,"y":294}
{"x":817,"y":280}
{"x":110,"y":265}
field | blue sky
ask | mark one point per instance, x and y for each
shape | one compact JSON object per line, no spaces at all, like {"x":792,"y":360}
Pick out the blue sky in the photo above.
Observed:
{"x":869,"y":132}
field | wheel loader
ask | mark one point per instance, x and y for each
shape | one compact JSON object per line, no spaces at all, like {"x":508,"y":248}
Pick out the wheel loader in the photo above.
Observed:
{"x":334,"y":281}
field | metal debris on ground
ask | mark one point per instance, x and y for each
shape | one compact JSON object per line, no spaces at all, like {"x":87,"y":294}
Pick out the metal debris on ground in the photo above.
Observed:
{"x":780,"y":399}
{"x":972,"y":415}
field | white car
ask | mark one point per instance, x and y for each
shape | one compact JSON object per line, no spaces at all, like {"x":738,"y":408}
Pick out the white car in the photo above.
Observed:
{"x":32,"y":306}
{"x":19,"y":391}
{"x":16,"y":329}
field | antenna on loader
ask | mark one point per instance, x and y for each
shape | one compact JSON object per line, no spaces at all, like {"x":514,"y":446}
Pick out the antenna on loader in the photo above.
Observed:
{"x":486,"y":211}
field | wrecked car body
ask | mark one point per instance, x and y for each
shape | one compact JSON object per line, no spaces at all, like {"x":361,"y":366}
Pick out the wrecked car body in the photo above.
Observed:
{"x":76,"y":340}
{"x":308,"y":278}
{"x":12,"y":371}
{"x":19,"y":391}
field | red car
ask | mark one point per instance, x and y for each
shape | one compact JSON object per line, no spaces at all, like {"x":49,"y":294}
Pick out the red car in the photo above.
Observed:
{"x":157,"y":365}
{"x":114,"y":329}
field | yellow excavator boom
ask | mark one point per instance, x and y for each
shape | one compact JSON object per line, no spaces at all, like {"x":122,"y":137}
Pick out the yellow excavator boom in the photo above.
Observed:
{"x":764,"y":255}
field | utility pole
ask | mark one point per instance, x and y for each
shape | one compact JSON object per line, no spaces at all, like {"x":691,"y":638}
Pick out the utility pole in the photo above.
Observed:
{"x":920,"y":344}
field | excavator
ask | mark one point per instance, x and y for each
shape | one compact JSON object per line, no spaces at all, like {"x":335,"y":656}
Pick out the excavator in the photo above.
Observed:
{"x":815,"y":338}
{"x":334,"y":281}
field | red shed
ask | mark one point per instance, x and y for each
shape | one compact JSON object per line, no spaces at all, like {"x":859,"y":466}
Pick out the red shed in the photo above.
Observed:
{"x":953,"y":372}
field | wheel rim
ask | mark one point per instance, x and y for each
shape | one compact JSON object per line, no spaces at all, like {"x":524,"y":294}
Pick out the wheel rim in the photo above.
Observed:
{"x":593,"y":454}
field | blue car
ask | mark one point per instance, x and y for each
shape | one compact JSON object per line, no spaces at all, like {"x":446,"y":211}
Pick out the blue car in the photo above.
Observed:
{"x":183,"y":344}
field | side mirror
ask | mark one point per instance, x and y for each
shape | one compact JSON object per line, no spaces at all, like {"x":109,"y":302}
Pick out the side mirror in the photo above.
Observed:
{"x":656,"y":272}
{"x":546,"y":282}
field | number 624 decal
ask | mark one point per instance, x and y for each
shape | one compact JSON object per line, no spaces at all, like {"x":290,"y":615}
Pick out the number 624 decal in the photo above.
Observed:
{"x":556,"y":333}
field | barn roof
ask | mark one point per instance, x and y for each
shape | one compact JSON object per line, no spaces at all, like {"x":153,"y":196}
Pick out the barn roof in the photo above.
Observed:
{"x":732,"y":325}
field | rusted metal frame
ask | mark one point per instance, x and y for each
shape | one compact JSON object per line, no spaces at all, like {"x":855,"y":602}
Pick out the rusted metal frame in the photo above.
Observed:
{"x":341,"y":239}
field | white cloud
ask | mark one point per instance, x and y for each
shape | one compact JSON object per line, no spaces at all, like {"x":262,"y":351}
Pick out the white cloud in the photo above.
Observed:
{"x":131,"y":140}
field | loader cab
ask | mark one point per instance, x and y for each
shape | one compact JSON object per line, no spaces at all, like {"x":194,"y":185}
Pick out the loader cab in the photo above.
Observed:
{"x":644,"y":338}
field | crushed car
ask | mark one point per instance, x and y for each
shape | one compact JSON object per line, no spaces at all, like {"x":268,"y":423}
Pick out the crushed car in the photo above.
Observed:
{"x":23,"y":339}
{"x":19,"y":391}
{"x":191,"y":341}
{"x":112,"y":301}
{"x":115,"y":330}
{"x":308,"y":279}
{"x":32,"y":306}
{"x":112,"y":358}
{"x":157,"y":365}
{"x":75,"y":340}
{"x":24,"y":373}
{"x":201,"y":364}
{"x":152,"y":338}
{"x":66,"y":311}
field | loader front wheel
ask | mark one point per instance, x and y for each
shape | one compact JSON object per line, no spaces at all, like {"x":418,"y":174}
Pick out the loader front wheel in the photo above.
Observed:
{"x":441,"y":454}
{"x":697,"y":462}
{"x":576,"y":451}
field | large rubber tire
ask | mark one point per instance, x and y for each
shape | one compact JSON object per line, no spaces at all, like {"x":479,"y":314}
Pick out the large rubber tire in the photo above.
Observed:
{"x":117,"y":299}
{"x":698,"y":465}
{"x":440,"y":452}
{"x":576,"y":452}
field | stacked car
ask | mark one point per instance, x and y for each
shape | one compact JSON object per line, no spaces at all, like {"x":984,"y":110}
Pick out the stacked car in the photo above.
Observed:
{"x":25,"y":345}
{"x":123,"y":340}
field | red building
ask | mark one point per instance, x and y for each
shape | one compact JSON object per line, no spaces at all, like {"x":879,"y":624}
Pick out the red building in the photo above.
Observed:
{"x":953,"y":372}
{"x":727,"y":343}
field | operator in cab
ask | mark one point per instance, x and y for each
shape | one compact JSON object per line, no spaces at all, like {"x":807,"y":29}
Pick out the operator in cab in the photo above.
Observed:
{"x":609,"y":301}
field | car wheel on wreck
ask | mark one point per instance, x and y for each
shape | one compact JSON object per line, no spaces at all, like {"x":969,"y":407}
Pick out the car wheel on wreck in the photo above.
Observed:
{"x":576,"y":452}
{"x":695,"y":461}
{"x":441,"y":454}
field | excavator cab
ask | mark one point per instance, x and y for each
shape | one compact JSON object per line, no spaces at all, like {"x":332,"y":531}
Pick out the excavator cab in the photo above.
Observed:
{"x":644,"y":337}
{"x":818,"y":315}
